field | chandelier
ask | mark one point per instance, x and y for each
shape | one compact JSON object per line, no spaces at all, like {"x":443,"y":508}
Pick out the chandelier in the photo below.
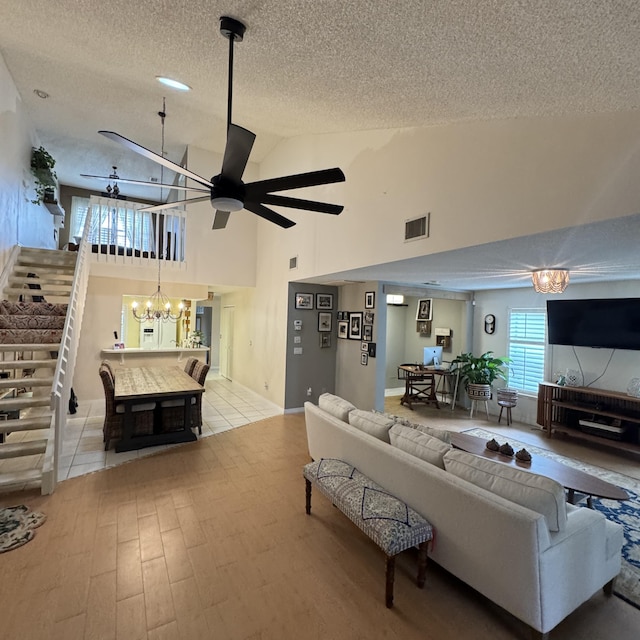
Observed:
{"x":550,"y":280}
{"x":158,"y":305}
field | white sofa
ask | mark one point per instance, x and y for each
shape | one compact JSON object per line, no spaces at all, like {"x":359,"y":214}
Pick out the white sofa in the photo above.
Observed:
{"x":502,"y":549}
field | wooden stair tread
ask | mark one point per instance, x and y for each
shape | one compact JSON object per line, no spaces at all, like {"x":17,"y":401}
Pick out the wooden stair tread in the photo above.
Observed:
{"x":28,"y":448}
{"x":20,"y":291}
{"x":20,"y":477}
{"x":45,"y":346}
{"x":28,"y":364}
{"x":41,"y":280}
{"x":25,"y":424}
{"x":13,"y":404}
{"x":12,"y":383}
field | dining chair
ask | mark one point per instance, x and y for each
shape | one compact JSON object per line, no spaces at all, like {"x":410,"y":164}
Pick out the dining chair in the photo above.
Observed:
{"x":190,"y":364}
{"x":107,"y":364}
{"x":143,"y":414}
{"x":173,"y":410}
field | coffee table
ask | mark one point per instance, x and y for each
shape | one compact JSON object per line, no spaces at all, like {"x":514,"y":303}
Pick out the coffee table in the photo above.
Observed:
{"x":571,"y":479}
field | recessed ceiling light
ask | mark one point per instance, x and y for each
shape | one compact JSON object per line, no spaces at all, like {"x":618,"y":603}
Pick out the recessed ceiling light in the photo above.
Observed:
{"x":174,"y":84}
{"x":41,"y":94}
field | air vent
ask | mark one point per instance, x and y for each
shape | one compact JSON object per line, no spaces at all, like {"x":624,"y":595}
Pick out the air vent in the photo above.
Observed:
{"x":417,"y":228}
{"x":293,"y":262}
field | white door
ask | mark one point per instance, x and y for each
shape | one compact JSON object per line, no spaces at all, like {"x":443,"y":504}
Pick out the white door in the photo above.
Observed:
{"x":226,"y":342}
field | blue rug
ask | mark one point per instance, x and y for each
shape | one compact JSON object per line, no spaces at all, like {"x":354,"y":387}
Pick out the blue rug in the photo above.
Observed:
{"x":624,"y":512}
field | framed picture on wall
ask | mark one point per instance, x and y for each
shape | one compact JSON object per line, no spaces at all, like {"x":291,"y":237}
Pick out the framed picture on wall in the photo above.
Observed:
{"x":372,"y":349}
{"x":304,"y":300}
{"x":343,"y":329}
{"x":364,"y":359}
{"x":367,"y":333}
{"x":324,"y":301}
{"x":364,"y":346}
{"x":324,"y":321}
{"x":423,"y":312}
{"x":368,"y":317}
{"x":355,"y":326}
{"x":370,"y":300}
{"x":325,"y":340}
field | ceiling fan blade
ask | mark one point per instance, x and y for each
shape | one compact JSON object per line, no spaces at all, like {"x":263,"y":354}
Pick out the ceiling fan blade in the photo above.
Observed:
{"x":150,"y":155}
{"x":236,"y":154}
{"x":220,"y":219}
{"x":143,"y":183}
{"x":308,"y":205}
{"x":177,"y":203}
{"x":311,"y":179}
{"x":268,"y":214}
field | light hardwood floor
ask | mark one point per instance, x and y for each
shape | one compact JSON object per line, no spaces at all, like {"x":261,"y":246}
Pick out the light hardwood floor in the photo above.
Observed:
{"x":211,"y":540}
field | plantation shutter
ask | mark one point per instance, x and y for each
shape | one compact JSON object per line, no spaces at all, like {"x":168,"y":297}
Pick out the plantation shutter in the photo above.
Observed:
{"x":527,"y":333}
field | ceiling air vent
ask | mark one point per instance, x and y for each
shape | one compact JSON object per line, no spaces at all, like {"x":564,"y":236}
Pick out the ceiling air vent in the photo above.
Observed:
{"x":293,"y":262}
{"x":416,"y":228}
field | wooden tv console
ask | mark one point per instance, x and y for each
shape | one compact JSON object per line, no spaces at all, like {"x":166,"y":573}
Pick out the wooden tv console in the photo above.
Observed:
{"x":561,"y":408}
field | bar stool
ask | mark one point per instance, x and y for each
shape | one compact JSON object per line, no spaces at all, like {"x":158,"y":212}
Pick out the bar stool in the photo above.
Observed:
{"x":507,"y":399}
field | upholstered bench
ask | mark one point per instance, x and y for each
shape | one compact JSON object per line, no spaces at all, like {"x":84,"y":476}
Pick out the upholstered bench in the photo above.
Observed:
{"x":388,"y":521}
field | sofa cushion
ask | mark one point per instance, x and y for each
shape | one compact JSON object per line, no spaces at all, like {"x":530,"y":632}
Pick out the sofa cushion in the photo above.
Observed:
{"x":538,"y":493}
{"x":441,"y":434}
{"x":336,"y":406}
{"x":372,"y":423}
{"x":419,"y":444}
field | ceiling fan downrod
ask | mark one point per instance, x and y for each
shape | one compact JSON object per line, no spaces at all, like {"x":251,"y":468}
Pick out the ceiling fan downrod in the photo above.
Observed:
{"x":233,"y":30}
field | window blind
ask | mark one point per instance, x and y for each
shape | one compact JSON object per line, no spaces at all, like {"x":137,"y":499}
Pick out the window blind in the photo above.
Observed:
{"x":527,"y":340}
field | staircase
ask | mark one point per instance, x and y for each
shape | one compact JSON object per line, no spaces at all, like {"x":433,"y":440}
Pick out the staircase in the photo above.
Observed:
{"x":33,"y":309}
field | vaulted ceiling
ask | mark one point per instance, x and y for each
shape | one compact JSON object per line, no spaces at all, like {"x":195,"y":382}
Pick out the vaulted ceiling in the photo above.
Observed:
{"x":306,"y":66}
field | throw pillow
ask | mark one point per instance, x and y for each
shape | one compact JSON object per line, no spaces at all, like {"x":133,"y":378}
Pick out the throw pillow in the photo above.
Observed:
{"x":419,"y":444}
{"x":336,"y":406}
{"x":538,"y":493}
{"x":372,"y":423}
{"x":441,"y":434}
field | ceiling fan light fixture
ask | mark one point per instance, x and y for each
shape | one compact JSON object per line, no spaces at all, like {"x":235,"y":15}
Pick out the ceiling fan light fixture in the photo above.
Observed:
{"x":550,"y":280}
{"x":174,"y":84}
{"x":224,"y":203}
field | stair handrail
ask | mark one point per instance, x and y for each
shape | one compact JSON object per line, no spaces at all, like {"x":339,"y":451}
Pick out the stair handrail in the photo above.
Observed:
{"x":63,"y":375}
{"x":8,"y":267}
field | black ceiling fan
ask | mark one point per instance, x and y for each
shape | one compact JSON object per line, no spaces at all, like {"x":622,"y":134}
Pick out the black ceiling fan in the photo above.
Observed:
{"x":226,"y":190}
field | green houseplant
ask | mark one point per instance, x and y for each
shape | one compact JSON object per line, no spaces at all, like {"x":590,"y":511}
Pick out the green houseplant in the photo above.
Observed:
{"x":478,"y":373}
{"x":42,"y":163}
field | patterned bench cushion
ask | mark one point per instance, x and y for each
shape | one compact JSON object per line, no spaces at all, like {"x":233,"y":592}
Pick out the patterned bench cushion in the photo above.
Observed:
{"x":388,"y":521}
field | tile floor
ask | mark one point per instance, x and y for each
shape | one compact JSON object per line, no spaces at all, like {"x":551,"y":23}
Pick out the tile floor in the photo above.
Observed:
{"x":225,"y":405}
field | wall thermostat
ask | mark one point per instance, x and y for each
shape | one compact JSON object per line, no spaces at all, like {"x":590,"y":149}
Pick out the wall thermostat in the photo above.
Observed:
{"x":297,"y":325}
{"x":489,"y":323}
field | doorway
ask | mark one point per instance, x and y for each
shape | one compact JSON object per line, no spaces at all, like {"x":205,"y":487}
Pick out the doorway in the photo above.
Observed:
{"x":226,"y":342}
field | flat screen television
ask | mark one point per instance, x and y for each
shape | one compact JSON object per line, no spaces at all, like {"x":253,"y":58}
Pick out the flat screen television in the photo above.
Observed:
{"x":612,"y":323}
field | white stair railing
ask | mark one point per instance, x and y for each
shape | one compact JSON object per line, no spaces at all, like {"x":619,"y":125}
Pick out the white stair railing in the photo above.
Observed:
{"x":63,"y":376}
{"x":123,"y":233}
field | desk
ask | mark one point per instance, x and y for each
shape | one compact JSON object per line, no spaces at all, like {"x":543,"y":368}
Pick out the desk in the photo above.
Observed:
{"x":413,"y":393}
{"x":136,"y":385}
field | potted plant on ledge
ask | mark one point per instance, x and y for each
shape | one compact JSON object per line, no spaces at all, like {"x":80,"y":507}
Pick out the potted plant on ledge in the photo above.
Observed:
{"x":42,"y":164}
{"x":478,"y":373}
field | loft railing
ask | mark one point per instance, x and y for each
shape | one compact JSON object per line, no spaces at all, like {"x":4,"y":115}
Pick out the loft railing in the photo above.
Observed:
{"x":63,"y":375}
{"x":122,"y":232}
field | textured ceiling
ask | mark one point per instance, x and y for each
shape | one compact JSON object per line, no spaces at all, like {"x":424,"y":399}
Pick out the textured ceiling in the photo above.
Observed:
{"x":305,"y":66}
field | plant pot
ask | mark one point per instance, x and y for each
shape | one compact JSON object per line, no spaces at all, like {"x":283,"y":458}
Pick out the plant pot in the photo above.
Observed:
{"x":479,"y":391}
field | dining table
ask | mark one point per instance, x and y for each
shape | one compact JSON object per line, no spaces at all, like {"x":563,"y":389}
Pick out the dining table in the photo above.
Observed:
{"x":138,"y":385}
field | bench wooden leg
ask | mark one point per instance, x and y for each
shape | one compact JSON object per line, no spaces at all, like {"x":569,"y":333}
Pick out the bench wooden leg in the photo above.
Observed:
{"x":422,"y":563}
{"x":391,"y":572}
{"x":307,"y":492}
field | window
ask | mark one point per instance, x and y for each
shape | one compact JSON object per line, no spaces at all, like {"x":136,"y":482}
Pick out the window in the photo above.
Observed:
{"x":527,"y":339}
{"x":122,"y":226}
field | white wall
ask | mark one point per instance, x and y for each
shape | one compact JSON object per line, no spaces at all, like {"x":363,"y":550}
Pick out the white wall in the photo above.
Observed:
{"x":20,"y":221}
{"x":623,"y":366}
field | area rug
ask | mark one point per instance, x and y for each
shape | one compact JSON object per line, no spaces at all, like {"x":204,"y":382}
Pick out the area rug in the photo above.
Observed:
{"x":17,"y":526}
{"x":624,"y":512}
